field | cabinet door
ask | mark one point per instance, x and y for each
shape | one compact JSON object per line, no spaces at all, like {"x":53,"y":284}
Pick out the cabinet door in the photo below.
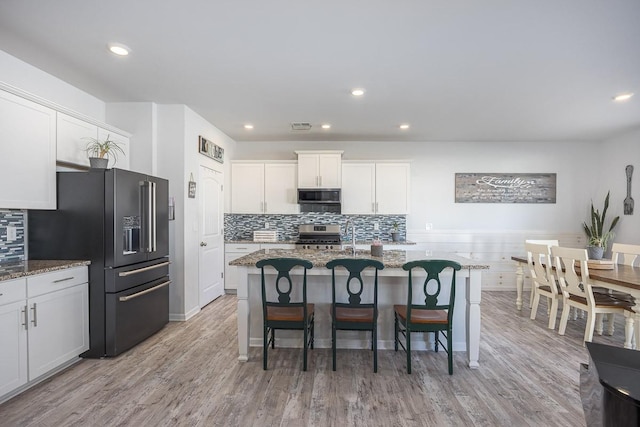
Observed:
{"x":330,"y":170}
{"x":280,"y":190}
{"x":58,"y":328}
{"x":358,"y":188}
{"x":13,"y":348}
{"x":121,"y":160}
{"x":308,"y":173}
{"x":392,"y":188}
{"x":73,"y":135}
{"x":247,"y":188}
{"x":28,"y":141}
{"x":233,"y":252}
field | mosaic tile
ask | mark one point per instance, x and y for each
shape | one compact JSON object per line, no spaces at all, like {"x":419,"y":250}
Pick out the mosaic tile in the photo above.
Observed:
{"x":12,"y":251}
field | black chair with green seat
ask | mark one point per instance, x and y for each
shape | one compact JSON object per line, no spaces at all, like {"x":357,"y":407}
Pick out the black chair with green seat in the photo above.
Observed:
{"x":349,"y":311}
{"x":432,"y":316}
{"x":278,"y":309}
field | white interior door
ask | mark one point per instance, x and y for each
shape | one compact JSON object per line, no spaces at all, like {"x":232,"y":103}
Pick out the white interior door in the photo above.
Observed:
{"x":211,"y":235}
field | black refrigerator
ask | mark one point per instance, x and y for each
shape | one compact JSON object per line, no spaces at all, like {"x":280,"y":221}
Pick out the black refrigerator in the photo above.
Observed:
{"x":118,"y":220}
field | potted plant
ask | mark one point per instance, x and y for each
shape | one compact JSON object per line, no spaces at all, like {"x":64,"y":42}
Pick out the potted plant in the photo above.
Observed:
{"x":597,"y":234}
{"x":395,"y":234}
{"x":100,"y":152}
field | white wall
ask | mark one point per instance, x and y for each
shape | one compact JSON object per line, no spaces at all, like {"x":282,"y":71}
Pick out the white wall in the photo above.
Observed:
{"x":178,"y":157}
{"x":24,"y":76}
{"x":616,"y":154}
{"x":433,"y":168}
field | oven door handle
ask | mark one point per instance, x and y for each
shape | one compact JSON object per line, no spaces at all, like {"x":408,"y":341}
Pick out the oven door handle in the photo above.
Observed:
{"x":146,"y":291}
{"x":142,"y":270}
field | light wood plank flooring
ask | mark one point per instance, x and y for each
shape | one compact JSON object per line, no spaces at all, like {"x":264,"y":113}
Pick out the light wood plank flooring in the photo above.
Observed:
{"x":188,"y":375}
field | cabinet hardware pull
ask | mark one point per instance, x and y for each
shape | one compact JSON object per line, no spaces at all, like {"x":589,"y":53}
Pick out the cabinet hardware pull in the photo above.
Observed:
{"x":140,"y":270}
{"x":35,"y":315}
{"x":63,"y":280}
{"x":26,"y":318}
{"x":146,"y":291}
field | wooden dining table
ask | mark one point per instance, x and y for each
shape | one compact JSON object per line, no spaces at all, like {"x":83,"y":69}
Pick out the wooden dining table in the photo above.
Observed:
{"x":622,"y":278}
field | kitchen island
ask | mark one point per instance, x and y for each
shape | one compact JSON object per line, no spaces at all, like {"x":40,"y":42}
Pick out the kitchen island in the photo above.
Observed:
{"x":392,"y":290}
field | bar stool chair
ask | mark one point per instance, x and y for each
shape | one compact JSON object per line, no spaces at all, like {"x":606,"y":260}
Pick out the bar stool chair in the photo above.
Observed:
{"x":350,"y":312}
{"x":279,"y":310}
{"x":432,"y":316}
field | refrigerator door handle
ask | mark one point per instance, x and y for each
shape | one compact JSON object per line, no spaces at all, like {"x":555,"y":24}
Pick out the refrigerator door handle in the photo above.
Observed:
{"x":154,"y":214}
{"x":146,"y":291}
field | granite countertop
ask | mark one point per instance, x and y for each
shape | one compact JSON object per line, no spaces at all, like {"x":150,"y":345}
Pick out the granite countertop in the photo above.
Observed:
{"x":344,"y":242}
{"x":15,"y":270}
{"x":390,"y":258}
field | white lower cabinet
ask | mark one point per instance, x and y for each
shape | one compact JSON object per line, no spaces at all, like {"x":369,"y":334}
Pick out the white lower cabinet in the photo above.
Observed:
{"x":44,"y":324}
{"x":234,"y":251}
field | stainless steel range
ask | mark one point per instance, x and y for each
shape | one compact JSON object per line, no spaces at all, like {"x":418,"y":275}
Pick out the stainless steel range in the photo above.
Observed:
{"x":319,"y":237}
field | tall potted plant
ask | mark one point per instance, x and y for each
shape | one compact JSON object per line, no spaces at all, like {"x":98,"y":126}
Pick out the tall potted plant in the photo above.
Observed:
{"x":598,"y":236}
{"x":100,"y":152}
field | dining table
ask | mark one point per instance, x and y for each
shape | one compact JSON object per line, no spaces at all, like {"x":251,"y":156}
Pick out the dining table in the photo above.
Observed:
{"x":622,"y":278}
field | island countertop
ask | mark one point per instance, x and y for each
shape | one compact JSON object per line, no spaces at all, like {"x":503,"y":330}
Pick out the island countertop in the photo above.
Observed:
{"x":15,"y":270}
{"x":390,"y":258}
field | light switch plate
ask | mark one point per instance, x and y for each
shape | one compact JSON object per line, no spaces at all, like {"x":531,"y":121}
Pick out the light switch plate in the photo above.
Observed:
{"x":12,"y":233}
{"x":376,"y":226}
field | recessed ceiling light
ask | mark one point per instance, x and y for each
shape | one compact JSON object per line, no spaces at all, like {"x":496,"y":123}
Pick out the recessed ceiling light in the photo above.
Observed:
{"x":357,"y":92}
{"x":622,"y":97}
{"x":119,"y":49}
{"x":248,"y":126}
{"x":404,"y":126}
{"x":326,"y":126}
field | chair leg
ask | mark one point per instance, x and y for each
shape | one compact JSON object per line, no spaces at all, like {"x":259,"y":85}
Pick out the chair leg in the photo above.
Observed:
{"x":333,"y":345}
{"x":273,"y":338}
{"x":553,"y":313}
{"x":450,"y":351}
{"x":588,"y":330}
{"x":533,"y":291}
{"x":534,"y":306}
{"x":408,"y":344}
{"x":265,"y":346}
{"x":611,"y":324}
{"x":435,"y":336}
{"x":564,"y":318}
{"x":629,"y":324}
{"x":599,"y":323}
{"x":304,"y":346}
{"x":396,"y":327}
{"x":374,"y":338}
{"x":313,"y":332}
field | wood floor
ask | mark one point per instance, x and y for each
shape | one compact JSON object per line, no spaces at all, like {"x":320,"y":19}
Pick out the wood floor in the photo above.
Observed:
{"x":188,"y":375}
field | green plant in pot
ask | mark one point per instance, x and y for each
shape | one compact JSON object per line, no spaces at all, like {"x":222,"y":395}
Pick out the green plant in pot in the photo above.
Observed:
{"x":598,"y":236}
{"x":395,"y":234}
{"x":100,"y":152}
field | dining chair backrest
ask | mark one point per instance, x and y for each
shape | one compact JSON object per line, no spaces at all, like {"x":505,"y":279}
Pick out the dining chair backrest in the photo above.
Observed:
{"x":573,"y":272}
{"x":625,"y":254}
{"x":354,"y":284}
{"x":286,"y":295}
{"x":541,"y":265}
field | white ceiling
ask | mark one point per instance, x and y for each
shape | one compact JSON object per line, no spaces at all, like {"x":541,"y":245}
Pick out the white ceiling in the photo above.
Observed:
{"x":456,"y":70}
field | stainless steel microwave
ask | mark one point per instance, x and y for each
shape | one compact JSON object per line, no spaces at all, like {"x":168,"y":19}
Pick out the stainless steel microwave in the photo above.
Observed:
{"x":320,"y":200}
{"x":318,"y":195}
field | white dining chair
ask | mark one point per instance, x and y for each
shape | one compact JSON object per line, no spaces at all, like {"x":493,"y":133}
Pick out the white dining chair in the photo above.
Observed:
{"x":577,"y":290}
{"x":543,"y":281}
{"x":626,"y":254}
{"x":538,"y":242}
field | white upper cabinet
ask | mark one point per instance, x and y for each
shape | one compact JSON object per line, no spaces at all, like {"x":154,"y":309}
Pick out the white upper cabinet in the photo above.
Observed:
{"x":319,"y":169}
{"x":73,"y":137}
{"x":74,"y":134}
{"x":122,"y":161}
{"x":280,"y":191}
{"x":263,"y":188}
{"x":28,"y":146}
{"x":375,"y":188}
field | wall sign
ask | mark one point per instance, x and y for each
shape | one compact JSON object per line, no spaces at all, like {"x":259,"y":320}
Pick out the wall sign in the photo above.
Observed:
{"x":210,"y":149}
{"x":505,"y":187}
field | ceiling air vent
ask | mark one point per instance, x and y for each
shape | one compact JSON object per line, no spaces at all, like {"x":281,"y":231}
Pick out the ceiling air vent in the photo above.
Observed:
{"x":300,"y":126}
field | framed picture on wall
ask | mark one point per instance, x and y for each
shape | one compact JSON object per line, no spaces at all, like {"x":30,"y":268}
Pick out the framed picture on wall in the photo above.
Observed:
{"x":210,"y":149}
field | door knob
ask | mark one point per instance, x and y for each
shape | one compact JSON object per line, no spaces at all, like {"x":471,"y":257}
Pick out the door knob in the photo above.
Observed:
{"x":203,"y":244}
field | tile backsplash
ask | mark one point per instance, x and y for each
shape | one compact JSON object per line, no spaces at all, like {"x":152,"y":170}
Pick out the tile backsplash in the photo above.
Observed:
{"x":242,"y":226}
{"x":14,"y":250}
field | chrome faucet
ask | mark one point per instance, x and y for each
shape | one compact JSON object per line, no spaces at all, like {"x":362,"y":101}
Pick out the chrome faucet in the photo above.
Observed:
{"x":353,"y":235}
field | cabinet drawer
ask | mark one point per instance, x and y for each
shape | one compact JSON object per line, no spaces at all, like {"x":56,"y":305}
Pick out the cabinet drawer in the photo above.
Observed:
{"x":13,"y":290}
{"x":56,"y":280}
{"x":244,"y":248}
